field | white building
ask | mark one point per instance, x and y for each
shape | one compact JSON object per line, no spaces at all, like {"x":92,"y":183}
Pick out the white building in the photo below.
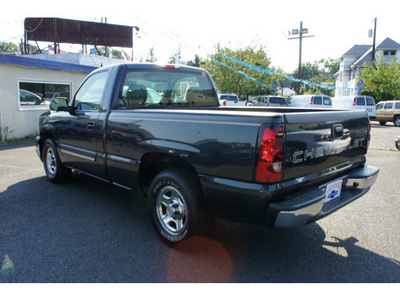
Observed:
{"x":351,"y":64}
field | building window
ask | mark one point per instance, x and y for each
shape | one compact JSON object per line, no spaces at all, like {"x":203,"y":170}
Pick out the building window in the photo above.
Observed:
{"x":389,"y":52}
{"x":353,"y":74}
{"x":389,"y":55}
{"x":38,"y":95}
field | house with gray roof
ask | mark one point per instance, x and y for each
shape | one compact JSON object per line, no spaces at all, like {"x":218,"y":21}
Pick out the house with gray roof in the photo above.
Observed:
{"x":352,"y":64}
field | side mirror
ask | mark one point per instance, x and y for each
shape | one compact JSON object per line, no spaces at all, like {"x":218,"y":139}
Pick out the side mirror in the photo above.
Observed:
{"x":59,"y":104}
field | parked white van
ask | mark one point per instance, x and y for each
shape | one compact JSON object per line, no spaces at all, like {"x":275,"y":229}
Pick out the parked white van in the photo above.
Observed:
{"x":315,"y":101}
{"x":356,"y":103}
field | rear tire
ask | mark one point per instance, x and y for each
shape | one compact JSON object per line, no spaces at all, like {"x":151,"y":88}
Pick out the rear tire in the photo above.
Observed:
{"x":396,"y":121}
{"x":56,"y":172}
{"x":176,"y":205}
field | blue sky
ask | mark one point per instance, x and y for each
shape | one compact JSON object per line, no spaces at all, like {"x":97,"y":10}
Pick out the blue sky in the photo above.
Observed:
{"x":196,"y":26}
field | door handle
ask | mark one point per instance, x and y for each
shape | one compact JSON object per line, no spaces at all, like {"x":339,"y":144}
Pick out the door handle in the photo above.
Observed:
{"x":91,"y":125}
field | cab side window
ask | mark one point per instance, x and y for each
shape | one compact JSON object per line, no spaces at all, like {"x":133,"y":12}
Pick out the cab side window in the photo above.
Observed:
{"x":397,"y":105}
{"x":89,"y":96}
{"x":389,"y":105}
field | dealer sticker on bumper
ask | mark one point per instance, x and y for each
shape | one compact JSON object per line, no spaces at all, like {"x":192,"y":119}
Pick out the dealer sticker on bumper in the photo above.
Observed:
{"x":333,"y":190}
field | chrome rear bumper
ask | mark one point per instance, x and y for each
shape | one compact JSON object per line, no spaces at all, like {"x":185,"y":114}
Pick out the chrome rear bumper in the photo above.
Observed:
{"x":309,"y":205}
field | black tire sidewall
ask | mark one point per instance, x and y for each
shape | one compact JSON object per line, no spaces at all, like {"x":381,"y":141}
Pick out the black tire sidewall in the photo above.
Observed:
{"x":394,"y":121}
{"x":179,"y":180}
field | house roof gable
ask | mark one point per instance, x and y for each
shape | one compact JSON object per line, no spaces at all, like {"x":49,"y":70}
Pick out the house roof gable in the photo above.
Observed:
{"x":357,"y":51}
{"x":388,"y":44}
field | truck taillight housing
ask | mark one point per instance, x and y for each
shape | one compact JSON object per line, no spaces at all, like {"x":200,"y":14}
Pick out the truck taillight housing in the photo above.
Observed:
{"x":270,"y":154}
{"x":170,"y":66}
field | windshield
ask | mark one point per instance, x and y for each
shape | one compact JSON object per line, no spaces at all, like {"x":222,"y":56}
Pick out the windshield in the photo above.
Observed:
{"x":166,"y":88}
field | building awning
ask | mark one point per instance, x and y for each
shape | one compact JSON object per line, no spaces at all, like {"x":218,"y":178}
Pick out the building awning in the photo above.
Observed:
{"x":44,"y":64}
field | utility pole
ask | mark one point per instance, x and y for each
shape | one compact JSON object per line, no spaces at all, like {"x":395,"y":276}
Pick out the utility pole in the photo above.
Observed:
{"x":105,"y":47}
{"x":301,"y":36}
{"x":373,"y":43}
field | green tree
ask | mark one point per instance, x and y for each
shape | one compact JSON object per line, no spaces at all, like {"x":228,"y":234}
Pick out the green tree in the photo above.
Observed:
{"x":101,"y":51}
{"x":229,"y":81}
{"x":151,"y":57}
{"x":321,"y":72}
{"x":175,"y":58}
{"x":8,"y":47}
{"x":382,"y":81}
{"x":116,"y":54}
{"x":197,"y":62}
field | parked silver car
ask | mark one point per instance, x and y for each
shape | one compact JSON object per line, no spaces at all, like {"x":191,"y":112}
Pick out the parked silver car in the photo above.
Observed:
{"x":269,"y":101}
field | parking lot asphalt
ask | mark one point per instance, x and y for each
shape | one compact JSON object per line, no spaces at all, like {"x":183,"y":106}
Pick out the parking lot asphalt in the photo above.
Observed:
{"x":88,"y":231}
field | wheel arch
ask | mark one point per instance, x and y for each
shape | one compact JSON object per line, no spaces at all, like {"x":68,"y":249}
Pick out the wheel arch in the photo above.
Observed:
{"x":153,"y":163}
{"x":44,"y":135}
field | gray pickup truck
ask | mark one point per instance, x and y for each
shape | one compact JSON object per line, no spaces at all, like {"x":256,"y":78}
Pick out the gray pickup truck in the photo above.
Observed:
{"x":161,"y":129}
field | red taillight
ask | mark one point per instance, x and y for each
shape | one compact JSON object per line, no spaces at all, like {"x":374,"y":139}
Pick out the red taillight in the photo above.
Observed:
{"x":224,"y":103}
{"x":245,"y":103}
{"x":270,"y":156}
{"x":354,"y":102}
{"x":312,"y":101}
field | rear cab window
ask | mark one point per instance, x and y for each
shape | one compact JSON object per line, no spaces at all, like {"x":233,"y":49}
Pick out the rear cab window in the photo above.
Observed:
{"x":232,"y":98}
{"x":164,"y":87}
{"x":278,"y":100}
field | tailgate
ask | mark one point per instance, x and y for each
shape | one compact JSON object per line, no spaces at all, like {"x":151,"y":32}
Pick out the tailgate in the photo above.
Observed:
{"x":323,"y":143}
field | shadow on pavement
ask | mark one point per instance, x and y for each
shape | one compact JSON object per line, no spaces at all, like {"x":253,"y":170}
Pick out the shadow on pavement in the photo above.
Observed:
{"x":88,"y":231}
{"x":17,"y":144}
